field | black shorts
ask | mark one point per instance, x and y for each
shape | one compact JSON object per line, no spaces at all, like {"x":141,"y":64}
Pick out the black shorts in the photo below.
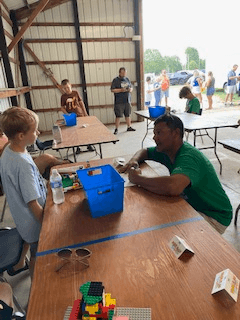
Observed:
{"x":5,"y":311}
{"x":122,"y":109}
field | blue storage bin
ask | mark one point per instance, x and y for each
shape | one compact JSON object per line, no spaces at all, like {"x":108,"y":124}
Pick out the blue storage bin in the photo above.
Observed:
{"x":104,"y":188}
{"x":156,"y":112}
{"x":70,"y":119}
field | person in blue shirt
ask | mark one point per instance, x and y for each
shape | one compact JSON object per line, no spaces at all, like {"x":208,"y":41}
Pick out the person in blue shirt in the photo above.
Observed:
{"x":231,"y":84}
{"x":157,"y":91}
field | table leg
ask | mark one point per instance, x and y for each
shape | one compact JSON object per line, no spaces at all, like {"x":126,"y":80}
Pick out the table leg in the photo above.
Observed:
{"x":146,"y":132}
{"x":74,"y":155}
{"x":194,"y":137}
{"x":100,"y":150}
{"x":215,"y":150}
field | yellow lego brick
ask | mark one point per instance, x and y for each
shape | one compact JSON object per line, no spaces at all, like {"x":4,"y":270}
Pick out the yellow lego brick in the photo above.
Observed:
{"x":92,"y":309}
{"x":92,"y":318}
{"x":85,"y":318}
{"x":109,"y":300}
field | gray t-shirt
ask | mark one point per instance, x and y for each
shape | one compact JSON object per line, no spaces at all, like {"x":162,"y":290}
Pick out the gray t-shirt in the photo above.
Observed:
{"x":22,"y":183}
{"x":231,"y":82}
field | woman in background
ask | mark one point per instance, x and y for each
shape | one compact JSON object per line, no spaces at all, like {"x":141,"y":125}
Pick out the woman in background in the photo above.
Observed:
{"x":210,"y":85}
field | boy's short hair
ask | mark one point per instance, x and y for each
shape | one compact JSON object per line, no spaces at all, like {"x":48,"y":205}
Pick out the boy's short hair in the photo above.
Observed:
{"x":172,"y":121}
{"x":148,"y":78}
{"x":184,"y":92}
{"x":64,"y":82}
{"x":16,"y":119}
{"x":122,"y":68}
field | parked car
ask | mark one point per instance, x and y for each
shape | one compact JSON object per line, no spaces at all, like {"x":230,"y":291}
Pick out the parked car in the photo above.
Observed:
{"x":180,"y":77}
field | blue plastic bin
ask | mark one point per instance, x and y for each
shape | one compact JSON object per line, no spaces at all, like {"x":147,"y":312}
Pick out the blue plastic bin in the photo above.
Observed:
{"x":104,"y":188}
{"x":70,"y":119}
{"x":156,"y":112}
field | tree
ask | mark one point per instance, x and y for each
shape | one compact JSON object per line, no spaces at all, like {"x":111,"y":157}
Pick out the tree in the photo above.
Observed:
{"x":202,"y":64}
{"x":192,"y":55}
{"x":153,"y":61}
{"x":193,"y":65}
{"x":173,"y":63}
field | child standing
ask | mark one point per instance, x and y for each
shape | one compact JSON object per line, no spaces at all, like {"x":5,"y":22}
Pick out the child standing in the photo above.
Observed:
{"x":72,"y":102}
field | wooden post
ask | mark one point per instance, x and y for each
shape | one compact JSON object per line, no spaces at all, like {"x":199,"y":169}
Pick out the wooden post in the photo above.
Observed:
{"x":23,"y":68}
{"x":139,"y":53}
{"x":23,"y":29}
{"x":6,"y":62}
{"x":80,"y":53}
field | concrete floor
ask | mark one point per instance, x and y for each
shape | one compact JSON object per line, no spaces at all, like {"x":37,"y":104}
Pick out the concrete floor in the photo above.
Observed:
{"x":129,"y":143}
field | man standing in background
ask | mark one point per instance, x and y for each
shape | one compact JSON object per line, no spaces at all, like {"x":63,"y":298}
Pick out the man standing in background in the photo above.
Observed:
{"x":122,"y":88}
{"x":231,"y":84}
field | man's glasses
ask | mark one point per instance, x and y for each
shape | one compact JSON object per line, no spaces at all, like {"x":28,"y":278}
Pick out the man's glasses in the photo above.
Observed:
{"x":68,"y":255}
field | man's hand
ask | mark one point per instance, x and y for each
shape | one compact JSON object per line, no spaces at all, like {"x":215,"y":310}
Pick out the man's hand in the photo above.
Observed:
{"x":131,"y":164}
{"x":134,"y":174}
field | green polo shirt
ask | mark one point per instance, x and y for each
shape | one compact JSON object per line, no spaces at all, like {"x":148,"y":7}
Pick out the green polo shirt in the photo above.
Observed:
{"x":205,"y":193}
{"x":193,"y":106}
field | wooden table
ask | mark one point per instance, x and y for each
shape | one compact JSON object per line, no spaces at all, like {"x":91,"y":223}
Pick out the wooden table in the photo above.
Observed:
{"x":193,"y":122}
{"x":132,"y":258}
{"x":88,"y":131}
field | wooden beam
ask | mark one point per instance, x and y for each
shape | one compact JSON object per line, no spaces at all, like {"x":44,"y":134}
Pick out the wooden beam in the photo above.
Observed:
{"x":23,"y":68}
{"x":30,"y":63}
{"x":5,"y":6}
{"x":105,"y":106}
{"x":13,"y":60}
{"x":12,"y":92}
{"x":65,"y":40}
{"x":6,"y":17}
{"x":47,"y":72}
{"x":6,"y":62}
{"x":42,"y":4}
{"x":82,"y":24}
{"x":8,"y":34}
{"x":26,"y":11}
{"x":97,"y":84}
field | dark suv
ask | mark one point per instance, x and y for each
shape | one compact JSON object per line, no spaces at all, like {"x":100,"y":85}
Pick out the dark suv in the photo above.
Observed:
{"x":180,"y":77}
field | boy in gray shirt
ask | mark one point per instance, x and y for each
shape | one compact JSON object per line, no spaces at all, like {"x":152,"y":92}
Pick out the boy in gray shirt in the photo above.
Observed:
{"x":22,"y":183}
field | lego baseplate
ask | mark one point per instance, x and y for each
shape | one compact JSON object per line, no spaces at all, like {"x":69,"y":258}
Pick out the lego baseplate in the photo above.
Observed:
{"x":135,"y":313}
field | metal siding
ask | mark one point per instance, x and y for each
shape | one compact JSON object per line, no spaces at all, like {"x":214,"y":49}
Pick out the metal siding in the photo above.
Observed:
{"x":89,"y":11}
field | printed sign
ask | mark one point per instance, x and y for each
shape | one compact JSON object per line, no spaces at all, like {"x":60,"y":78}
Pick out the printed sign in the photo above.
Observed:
{"x":179,"y":246}
{"x":226,"y":281}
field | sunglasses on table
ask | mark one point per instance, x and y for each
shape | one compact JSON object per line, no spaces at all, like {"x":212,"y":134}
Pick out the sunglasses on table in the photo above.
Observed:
{"x":70,"y":255}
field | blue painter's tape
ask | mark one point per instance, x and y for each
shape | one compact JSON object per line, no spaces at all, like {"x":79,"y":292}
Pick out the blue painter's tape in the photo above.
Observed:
{"x":121,"y":235}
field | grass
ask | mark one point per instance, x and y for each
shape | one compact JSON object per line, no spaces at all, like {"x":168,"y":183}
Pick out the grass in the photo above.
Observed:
{"x":222,"y":95}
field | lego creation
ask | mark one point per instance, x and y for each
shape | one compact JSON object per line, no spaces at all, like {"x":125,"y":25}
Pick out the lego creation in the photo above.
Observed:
{"x":95,"y":303}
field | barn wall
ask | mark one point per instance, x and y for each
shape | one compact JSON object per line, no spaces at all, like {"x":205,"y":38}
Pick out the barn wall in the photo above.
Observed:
{"x":14,"y":63}
{"x":99,"y":74}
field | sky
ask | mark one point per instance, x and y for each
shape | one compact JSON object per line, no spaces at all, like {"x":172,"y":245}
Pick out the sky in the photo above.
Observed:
{"x":207,"y":25}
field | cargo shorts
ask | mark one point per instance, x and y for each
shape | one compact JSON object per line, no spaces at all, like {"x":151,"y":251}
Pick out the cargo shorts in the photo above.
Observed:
{"x":122,"y":109}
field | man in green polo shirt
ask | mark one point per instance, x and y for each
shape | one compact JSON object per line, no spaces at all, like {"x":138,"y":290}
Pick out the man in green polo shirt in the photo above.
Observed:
{"x":191,"y":173}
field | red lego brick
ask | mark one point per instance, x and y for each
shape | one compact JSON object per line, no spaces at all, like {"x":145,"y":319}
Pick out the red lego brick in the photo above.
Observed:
{"x":75,"y":310}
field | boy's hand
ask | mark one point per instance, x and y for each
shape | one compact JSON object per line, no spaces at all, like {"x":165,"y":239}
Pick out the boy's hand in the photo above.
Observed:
{"x":134,"y":174}
{"x":128,"y":166}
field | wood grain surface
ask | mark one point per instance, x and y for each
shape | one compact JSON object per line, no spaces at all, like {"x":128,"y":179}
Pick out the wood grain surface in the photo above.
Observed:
{"x":139,"y":270}
{"x":95,"y":132}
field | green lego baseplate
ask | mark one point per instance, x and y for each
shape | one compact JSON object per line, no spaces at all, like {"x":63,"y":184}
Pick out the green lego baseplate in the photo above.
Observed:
{"x":135,"y":313}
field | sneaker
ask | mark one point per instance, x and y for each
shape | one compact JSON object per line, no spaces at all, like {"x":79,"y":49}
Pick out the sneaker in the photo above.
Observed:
{"x":115,"y":131}
{"x":231,"y":103}
{"x":130,"y":129}
{"x":78,"y":150}
{"x":90,"y":148}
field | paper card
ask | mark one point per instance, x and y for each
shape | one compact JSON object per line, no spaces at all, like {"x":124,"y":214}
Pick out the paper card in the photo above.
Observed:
{"x":179,"y":246}
{"x":228,"y":282}
{"x":121,"y":318}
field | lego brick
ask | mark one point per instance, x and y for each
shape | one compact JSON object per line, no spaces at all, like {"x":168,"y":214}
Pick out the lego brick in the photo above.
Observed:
{"x":75,"y":310}
{"x":109,"y":300}
{"x":95,"y":289}
{"x":135,"y":313}
{"x":92,"y":309}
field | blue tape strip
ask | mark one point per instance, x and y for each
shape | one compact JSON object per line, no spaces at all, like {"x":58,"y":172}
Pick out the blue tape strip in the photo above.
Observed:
{"x":121,"y":235}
